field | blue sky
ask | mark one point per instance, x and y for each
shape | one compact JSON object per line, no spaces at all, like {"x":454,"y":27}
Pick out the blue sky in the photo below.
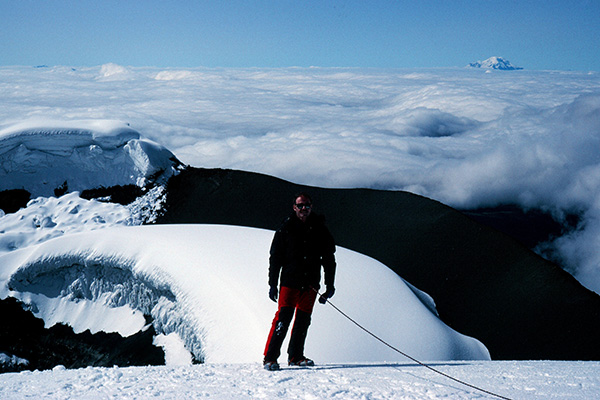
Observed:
{"x":551,"y":34}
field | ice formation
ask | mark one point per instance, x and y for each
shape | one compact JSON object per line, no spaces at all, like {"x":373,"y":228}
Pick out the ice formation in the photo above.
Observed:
{"x":45,"y":156}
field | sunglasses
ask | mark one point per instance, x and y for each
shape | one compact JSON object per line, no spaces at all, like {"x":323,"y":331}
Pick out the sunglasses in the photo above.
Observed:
{"x":300,"y":206}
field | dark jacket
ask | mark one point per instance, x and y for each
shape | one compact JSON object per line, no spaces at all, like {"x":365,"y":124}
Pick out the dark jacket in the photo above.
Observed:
{"x":298,"y":252}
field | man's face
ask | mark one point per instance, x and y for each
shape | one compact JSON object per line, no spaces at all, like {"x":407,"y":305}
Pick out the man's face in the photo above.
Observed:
{"x":302,"y":208}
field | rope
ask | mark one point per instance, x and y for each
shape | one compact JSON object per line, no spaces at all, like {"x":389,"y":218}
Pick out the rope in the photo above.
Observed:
{"x":409,"y":357}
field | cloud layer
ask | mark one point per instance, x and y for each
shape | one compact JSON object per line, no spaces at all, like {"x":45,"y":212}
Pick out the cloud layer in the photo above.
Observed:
{"x":466,"y":137}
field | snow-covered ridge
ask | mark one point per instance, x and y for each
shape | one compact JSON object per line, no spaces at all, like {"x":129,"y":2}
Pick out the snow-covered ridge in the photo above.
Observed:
{"x":207,"y":285}
{"x":41,"y":156}
{"x":495,"y":63}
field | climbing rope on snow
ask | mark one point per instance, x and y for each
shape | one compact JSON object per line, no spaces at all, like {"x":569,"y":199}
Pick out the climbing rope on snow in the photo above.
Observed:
{"x":408,"y":356}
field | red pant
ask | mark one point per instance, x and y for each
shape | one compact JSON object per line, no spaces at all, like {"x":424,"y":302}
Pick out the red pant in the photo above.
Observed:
{"x":300,"y":302}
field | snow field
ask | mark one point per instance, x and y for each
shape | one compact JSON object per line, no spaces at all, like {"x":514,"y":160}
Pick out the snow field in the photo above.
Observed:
{"x":516,"y":380}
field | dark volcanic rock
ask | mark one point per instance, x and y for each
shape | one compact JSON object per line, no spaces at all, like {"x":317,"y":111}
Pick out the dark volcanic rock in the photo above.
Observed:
{"x":24,"y":336}
{"x":485,"y":283}
{"x":124,"y":195}
{"x":530,"y":227}
{"x":13,"y":200}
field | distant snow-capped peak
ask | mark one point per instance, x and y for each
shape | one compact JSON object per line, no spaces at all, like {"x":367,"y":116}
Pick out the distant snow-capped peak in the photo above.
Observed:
{"x":495,"y":63}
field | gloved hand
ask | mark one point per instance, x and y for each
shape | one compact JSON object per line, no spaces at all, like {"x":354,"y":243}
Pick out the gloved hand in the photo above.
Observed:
{"x":273,"y":293}
{"x":327,"y":295}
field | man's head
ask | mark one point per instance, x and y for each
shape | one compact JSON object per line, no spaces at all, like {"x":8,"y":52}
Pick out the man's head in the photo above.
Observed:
{"x":302,"y":206}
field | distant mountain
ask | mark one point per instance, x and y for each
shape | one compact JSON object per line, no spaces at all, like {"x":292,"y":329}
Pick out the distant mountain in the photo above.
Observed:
{"x":495,"y":63}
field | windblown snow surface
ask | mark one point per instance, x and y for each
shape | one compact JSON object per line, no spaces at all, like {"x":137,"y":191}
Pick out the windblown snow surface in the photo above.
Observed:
{"x":347,"y":381}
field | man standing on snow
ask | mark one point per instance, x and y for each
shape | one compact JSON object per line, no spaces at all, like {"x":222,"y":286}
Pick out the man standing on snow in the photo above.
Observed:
{"x":300,"y":247}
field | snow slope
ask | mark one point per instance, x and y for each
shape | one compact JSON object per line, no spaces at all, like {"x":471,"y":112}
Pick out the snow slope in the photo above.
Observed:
{"x":41,"y":155}
{"x":208,"y":285}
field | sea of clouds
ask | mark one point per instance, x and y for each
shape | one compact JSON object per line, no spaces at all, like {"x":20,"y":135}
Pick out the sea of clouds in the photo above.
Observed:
{"x":467,"y":137}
